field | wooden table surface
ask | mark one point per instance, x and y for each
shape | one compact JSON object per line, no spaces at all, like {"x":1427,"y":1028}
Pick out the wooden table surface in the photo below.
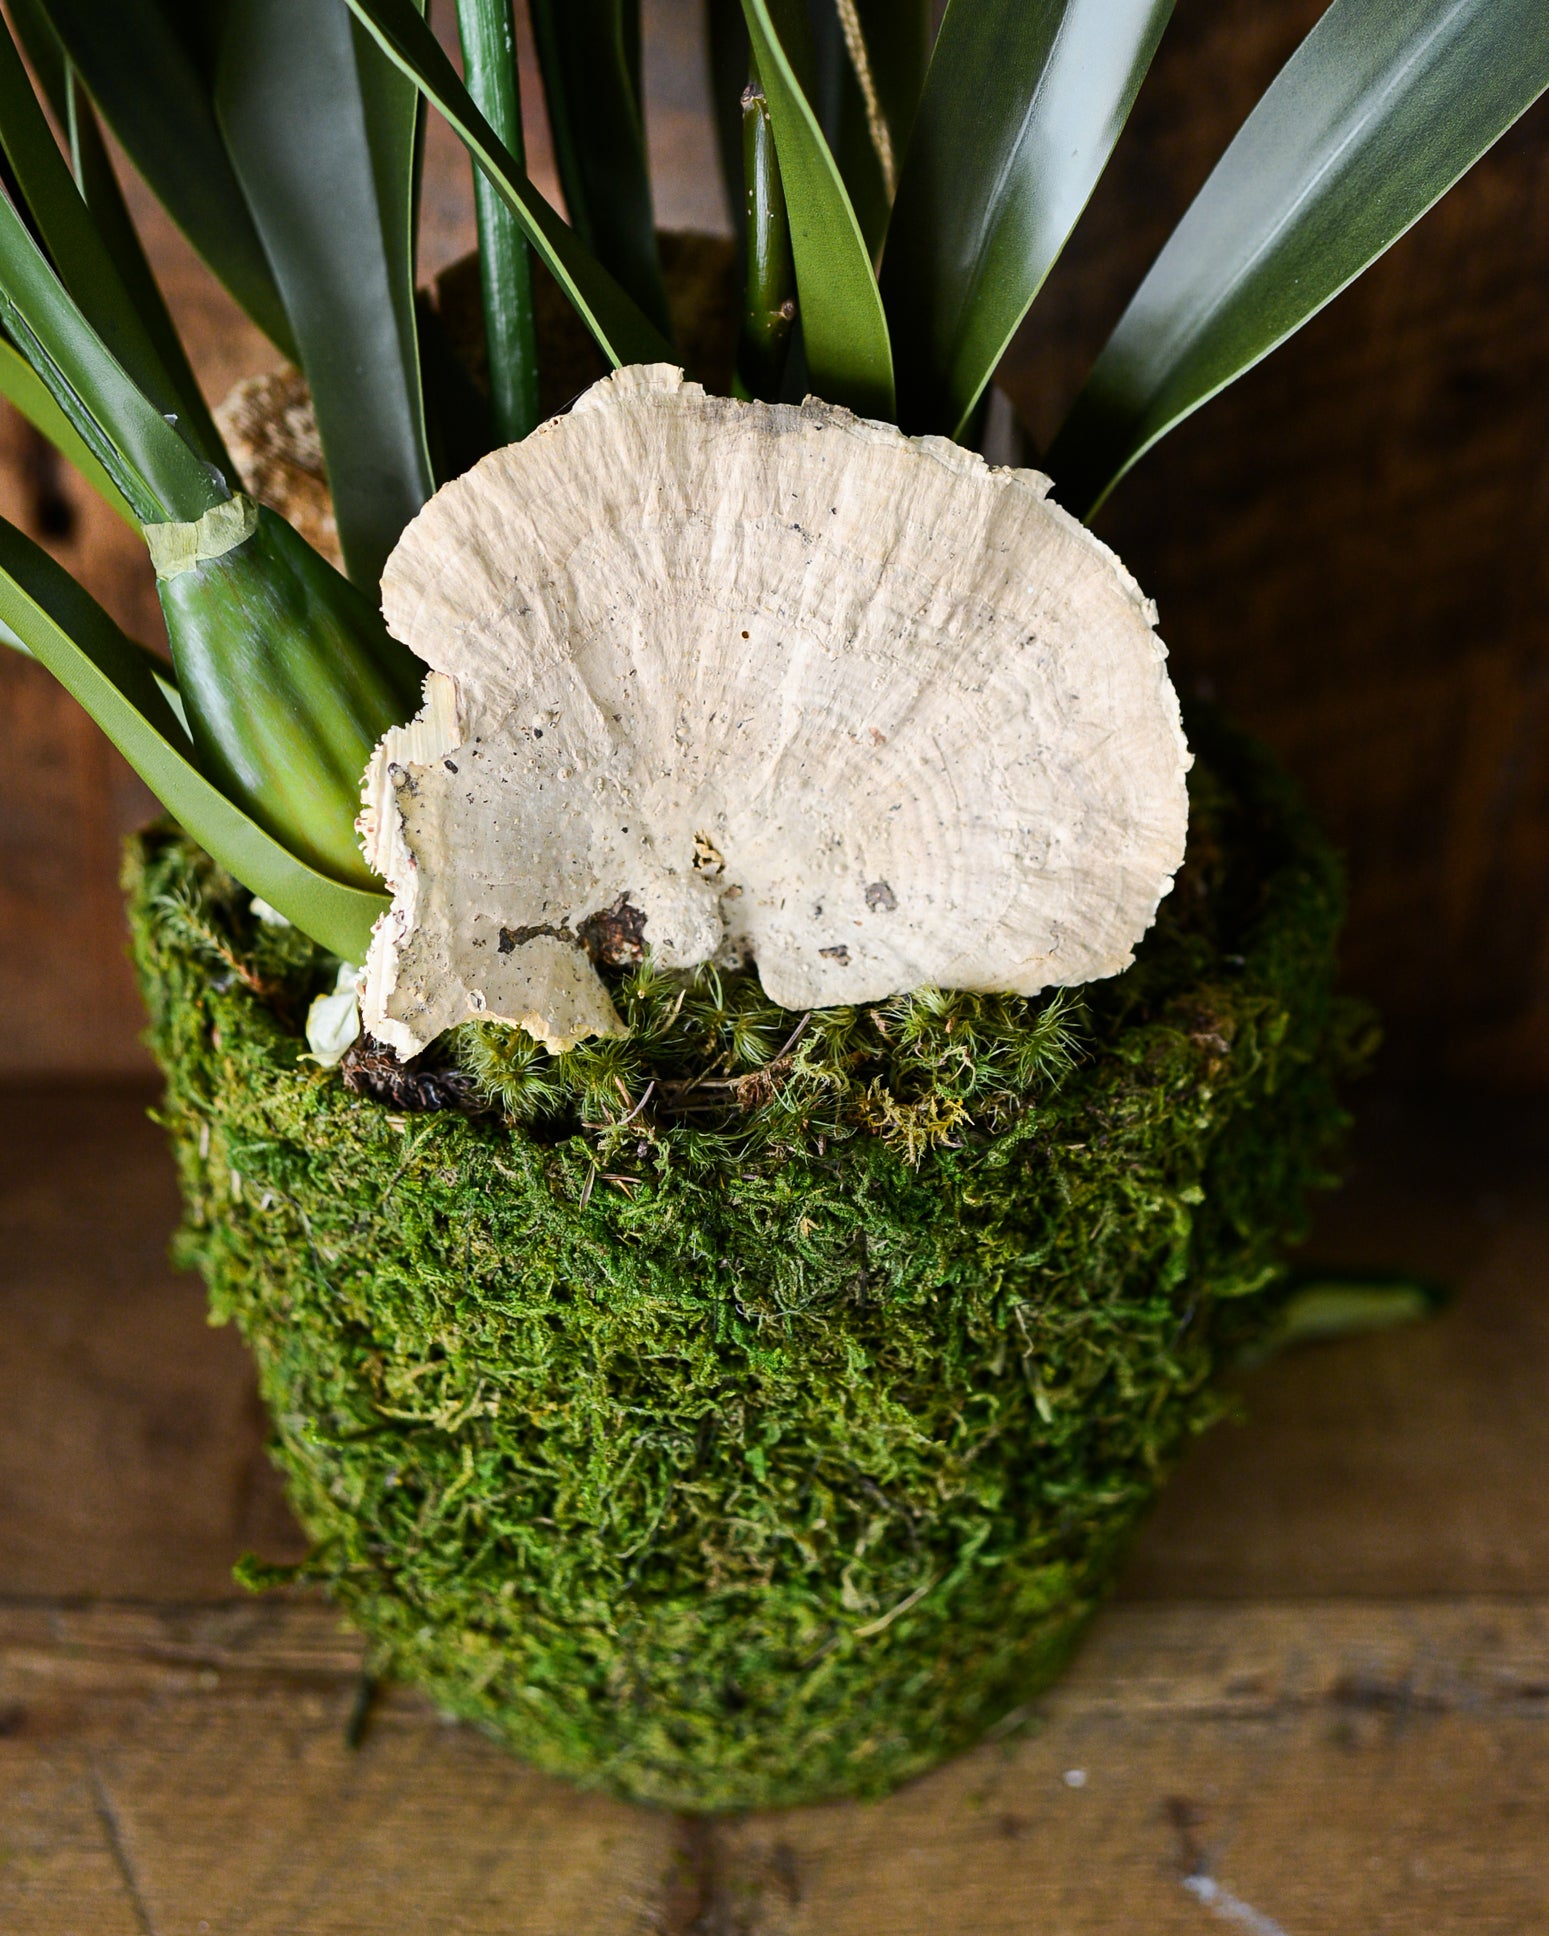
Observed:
{"x":1318,"y":1706}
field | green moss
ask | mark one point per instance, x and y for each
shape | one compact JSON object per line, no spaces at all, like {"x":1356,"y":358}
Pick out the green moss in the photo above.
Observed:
{"x":740,"y":1419}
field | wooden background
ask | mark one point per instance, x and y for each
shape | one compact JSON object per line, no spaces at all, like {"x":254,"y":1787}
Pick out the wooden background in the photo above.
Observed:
{"x":1351,"y":549}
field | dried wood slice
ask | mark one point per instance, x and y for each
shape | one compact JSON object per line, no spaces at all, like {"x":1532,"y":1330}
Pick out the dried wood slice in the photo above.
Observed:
{"x":730,"y":680}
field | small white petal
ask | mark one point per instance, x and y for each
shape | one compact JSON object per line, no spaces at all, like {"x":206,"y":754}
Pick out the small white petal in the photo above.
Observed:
{"x":333,"y":1021}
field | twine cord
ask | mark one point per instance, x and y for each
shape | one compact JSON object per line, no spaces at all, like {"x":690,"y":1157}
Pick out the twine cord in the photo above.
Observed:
{"x":876,"y":121}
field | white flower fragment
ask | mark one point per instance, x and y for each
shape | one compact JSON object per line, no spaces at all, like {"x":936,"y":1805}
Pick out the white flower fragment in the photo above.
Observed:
{"x":733,"y":680}
{"x":333,"y":1020}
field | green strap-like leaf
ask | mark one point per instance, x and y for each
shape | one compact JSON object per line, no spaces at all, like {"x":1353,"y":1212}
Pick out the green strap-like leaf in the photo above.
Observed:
{"x":844,"y":331}
{"x":1380,"y":110}
{"x":162,"y":675}
{"x":622,"y":331}
{"x":487,"y":29}
{"x":143,"y":66}
{"x":150,"y":464}
{"x":26,"y":389}
{"x":65,"y":226}
{"x":65,"y":629}
{"x":1023,"y":102}
{"x":105,"y":201}
{"x":289,"y":679}
{"x":321,"y":131}
{"x":585,"y":48}
{"x":114,"y":227}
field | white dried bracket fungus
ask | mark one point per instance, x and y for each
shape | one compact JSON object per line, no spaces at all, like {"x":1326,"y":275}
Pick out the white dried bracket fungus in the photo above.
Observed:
{"x":727,"y":679}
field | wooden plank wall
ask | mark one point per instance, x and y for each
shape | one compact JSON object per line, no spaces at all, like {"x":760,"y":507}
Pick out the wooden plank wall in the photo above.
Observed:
{"x":1349,"y":550}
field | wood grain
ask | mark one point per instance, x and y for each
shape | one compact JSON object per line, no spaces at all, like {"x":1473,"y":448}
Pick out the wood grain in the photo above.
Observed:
{"x":131,"y":1449}
{"x":1320,"y":1699}
{"x":1313,"y":1770}
{"x":1352,"y":1765}
{"x":190,"y":1772}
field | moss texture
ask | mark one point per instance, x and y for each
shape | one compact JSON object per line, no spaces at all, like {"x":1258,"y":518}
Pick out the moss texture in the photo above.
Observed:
{"x":727,"y":1420}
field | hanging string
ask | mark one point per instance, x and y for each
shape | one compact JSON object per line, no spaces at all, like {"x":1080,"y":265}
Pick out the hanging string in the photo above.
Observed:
{"x":876,"y":121}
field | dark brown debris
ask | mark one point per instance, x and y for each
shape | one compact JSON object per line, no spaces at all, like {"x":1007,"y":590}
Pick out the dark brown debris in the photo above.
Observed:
{"x":370,"y":1068}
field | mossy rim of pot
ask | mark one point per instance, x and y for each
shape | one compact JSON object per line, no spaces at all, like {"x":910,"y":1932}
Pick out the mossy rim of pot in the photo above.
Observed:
{"x":754,"y":1411}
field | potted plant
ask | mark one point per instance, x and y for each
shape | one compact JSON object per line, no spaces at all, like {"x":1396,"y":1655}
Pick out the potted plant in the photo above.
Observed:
{"x":733,"y":1239}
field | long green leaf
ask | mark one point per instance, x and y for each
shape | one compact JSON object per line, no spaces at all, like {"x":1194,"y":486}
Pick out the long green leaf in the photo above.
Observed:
{"x":321,"y":131}
{"x":144,"y":64}
{"x":487,"y":29}
{"x":105,"y":201}
{"x":156,"y":471}
{"x":622,"y":331}
{"x":844,"y":330}
{"x":61,"y":626}
{"x":99,"y":187}
{"x":22,"y":385}
{"x":45,"y":53}
{"x":162,"y":674}
{"x":1023,"y":102}
{"x":1380,"y":110}
{"x":588,"y":50}
{"x":71,"y":237}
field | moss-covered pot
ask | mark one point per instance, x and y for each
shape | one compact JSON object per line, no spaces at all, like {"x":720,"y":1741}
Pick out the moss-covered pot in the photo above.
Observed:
{"x":725,"y":1469}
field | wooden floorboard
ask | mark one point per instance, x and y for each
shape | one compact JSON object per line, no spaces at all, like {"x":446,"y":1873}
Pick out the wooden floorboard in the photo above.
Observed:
{"x":1320,"y":1702}
{"x":1312,"y":1767}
